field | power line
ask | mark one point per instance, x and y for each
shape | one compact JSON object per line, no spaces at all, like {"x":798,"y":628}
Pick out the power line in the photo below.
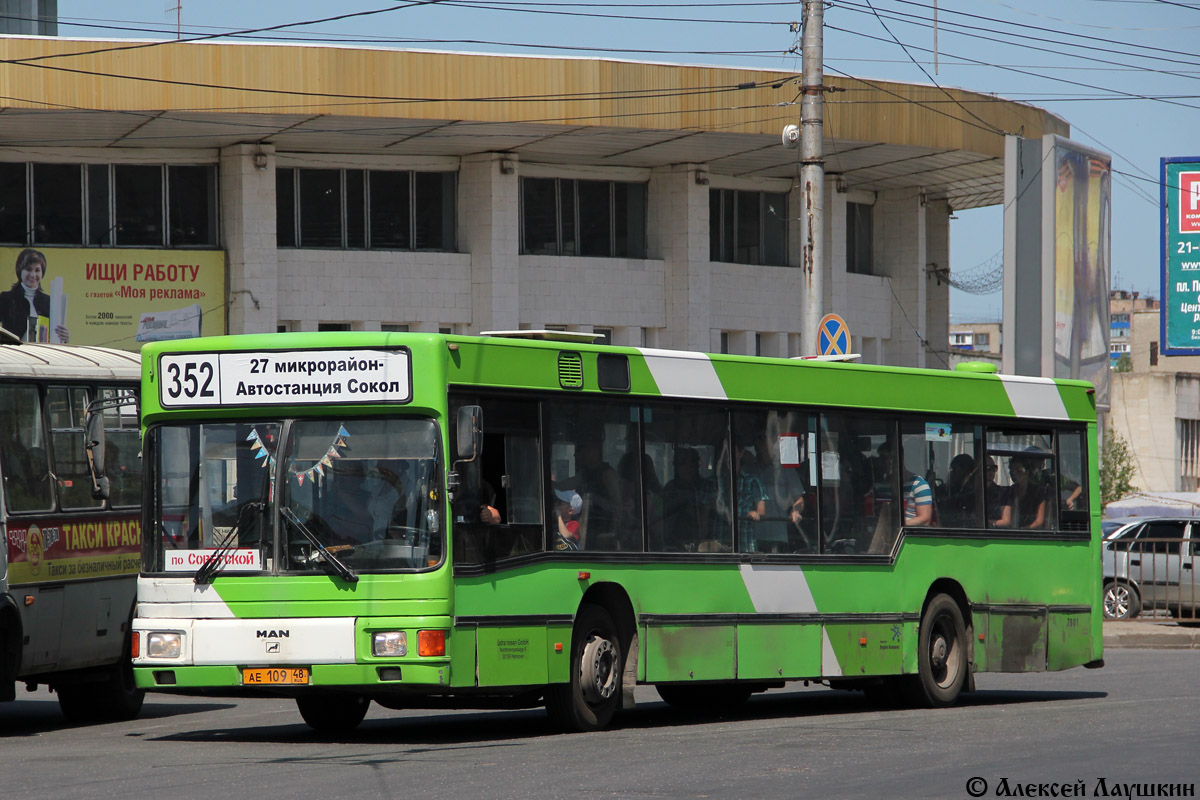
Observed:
{"x":926,"y":72}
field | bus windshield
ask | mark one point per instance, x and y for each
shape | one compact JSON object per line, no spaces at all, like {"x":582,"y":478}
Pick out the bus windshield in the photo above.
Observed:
{"x":365,"y":489}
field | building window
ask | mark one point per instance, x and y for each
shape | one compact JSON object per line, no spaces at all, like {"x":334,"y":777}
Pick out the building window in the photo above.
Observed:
{"x":394,"y":327}
{"x":747,"y":227}
{"x":605,"y":335}
{"x":982,"y":340}
{"x":355,"y":209}
{"x":960,"y":340}
{"x":108,"y":205}
{"x":860,"y":256}
{"x":1154,"y":354}
{"x":1120,"y":318}
{"x":568,"y":217}
{"x":326,"y":327}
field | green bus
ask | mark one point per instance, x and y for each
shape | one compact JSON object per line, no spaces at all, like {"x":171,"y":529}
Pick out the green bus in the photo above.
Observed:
{"x":527,"y":518}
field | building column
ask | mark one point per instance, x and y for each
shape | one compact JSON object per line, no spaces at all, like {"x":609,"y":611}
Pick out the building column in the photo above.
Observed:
{"x":488,"y":230}
{"x":678,"y":235}
{"x":900,"y":254}
{"x":247,"y":174}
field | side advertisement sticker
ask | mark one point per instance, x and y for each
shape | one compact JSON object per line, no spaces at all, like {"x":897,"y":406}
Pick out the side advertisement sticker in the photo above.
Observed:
{"x":65,"y":548}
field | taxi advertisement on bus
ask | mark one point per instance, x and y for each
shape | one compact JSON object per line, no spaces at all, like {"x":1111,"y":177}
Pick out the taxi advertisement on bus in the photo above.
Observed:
{"x":72,"y":548}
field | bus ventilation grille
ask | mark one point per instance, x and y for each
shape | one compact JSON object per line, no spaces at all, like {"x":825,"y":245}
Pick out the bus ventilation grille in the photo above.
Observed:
{"x":570,"y":370}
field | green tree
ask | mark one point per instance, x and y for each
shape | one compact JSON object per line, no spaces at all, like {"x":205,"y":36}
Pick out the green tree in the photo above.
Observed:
{"x":1116,"y":468}
{"x":1124,"y":364}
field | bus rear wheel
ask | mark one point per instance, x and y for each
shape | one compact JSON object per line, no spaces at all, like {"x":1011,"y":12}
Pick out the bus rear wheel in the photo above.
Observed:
{"x":941,"y":654}
{"x":332,"y":712}
{"x":588,"y":701}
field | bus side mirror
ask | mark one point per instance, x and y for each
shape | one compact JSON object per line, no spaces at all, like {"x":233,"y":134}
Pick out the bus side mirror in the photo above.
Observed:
{"x":93,"y":433}
{"x":470,"y":433}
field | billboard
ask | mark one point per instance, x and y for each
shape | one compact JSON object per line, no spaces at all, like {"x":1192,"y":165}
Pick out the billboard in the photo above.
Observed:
{"x":1057,"y":232}
{"x":1180,"y":251}
{"x":1082,"y":205}
{"x":110,"y":297}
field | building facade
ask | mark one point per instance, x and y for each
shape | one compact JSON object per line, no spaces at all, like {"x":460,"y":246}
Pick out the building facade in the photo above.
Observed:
{"x":1156,"y":404}
{"x":394,"y":190}
{"x":1122,"y":305}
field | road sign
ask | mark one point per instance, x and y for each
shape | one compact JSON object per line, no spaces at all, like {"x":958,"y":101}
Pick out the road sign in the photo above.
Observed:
{"x":833,"y":337}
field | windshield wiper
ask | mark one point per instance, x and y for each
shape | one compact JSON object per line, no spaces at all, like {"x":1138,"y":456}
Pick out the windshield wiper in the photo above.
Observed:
{"x":329,"y":559}
{"x":209,"y":568}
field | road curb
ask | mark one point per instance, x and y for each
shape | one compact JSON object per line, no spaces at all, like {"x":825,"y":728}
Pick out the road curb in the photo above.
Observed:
{"x":1150,"y":634}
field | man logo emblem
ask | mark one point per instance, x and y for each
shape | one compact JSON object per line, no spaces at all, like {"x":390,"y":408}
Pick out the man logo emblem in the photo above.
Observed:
{"x":272,"y":647}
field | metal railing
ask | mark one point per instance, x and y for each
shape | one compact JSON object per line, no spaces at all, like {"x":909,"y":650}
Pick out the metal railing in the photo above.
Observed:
{"x":1151,"y":579}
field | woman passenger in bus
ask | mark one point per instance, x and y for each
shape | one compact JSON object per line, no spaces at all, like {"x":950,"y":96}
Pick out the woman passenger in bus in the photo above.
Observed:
{"x":1026,"y":507}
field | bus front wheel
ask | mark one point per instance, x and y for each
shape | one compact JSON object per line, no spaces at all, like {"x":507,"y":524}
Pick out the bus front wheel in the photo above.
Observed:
{"x":942,"y":654}
{"x":588,"y":701}
{"x":332,"y":712}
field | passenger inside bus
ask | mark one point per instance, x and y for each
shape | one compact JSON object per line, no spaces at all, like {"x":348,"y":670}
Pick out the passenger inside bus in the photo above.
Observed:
{"x":916,"y":500}
{"x":956,"y":497}
{"x":1026,"y":507}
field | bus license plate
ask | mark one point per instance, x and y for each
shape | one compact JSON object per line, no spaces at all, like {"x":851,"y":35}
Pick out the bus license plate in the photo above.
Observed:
{"x":274,"y":676}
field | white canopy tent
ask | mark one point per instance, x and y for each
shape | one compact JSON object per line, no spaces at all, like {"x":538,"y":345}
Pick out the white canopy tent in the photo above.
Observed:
{"x":1154,"y":504}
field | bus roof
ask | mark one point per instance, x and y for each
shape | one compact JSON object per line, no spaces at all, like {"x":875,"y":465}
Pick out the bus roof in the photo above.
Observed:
{"x":68,"y":362}
{"x":507,"y":362}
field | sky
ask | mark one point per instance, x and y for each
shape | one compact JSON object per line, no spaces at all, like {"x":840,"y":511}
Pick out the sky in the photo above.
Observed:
{"x":1120,"y":72}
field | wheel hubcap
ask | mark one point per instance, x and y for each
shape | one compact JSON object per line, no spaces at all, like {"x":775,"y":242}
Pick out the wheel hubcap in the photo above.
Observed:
{"x":598,"y":669}
{"x":944,"y":655}
{"x":1116,"y":602}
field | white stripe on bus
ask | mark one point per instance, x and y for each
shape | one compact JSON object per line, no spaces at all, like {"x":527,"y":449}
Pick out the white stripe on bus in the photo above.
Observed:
{"x":778,"y":589}
{"x":830,"y":668}
{"x":179,"y":598}
{"x":1034,"y":397}
{"x":683,"y":374}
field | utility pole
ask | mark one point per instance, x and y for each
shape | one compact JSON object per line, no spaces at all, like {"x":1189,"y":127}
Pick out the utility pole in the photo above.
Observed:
{"x":812,"y":174}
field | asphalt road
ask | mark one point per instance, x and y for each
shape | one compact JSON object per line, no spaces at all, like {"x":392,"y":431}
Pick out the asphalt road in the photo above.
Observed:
{"x":1132,"y":722}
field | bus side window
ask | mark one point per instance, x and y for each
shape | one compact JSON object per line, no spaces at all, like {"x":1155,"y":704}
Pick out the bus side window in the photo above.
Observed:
{"x":68,"y":453}
{"x":587,"y":440}
{"x":505,"y":477}
{"x":857,"y":514}
{"x":23,"y":449}
{"x":121,"y":452}
{"x":1072,"y":481}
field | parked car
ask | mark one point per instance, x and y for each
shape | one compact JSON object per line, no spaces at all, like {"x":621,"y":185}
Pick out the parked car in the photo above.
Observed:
{"x":1107,"y":526}
{"x":1151,"y":565}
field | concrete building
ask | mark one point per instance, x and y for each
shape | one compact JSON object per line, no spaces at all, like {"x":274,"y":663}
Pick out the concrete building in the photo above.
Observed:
{"x":379,"y":189}
{"x":1156,"y":405}
{"x":37,"y":17}
{"x":1122,"y":305}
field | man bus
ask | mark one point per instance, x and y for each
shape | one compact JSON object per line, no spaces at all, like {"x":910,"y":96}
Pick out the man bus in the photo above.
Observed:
{"x":353,"y":517}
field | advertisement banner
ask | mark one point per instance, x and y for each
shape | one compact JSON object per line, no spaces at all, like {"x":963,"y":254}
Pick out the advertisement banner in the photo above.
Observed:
{"x":112,"y":297}
{"x":66,"y":548}
{"x":1180,"y":247}
{"x":1082,"y":221}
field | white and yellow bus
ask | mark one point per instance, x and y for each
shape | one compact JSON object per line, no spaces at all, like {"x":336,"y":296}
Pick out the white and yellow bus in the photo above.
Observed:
{"x":69,"y":563}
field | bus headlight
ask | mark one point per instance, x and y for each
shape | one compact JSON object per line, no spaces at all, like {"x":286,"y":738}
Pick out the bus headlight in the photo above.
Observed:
{"x":389,"y":643}
{"x":163,"y":644}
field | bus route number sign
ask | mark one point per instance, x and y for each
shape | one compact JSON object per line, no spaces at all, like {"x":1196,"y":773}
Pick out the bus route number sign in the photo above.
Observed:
{"x":189,"y":380}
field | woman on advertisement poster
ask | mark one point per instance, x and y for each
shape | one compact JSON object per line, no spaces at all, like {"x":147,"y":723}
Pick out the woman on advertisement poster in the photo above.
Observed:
{"x":26,"y":307}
